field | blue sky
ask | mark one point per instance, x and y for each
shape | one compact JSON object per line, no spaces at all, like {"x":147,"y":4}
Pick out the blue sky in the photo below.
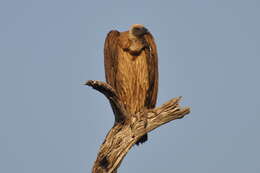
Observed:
{"x":209,"y":53}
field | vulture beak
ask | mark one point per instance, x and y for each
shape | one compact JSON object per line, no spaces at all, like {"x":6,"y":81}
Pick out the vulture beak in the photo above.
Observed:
{"x":145,"y":31}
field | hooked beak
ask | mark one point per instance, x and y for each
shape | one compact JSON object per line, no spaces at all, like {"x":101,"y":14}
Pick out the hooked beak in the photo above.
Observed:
{"x":145,"y":31}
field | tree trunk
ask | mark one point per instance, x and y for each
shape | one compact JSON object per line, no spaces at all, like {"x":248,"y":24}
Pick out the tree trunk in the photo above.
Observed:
{"x":129,"y":128}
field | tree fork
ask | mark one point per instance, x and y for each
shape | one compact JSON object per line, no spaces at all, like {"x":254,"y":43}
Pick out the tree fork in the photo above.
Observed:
{"x":128,"y":129}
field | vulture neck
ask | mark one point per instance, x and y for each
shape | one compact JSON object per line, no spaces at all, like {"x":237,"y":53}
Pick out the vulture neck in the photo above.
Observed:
{"x":135,"y":45}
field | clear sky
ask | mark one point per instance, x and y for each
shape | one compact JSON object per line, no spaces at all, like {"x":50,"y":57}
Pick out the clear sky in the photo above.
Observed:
{"x":209,"y":53}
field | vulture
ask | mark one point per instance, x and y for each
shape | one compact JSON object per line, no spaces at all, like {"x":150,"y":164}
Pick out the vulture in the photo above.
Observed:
{"x":131,"y":68}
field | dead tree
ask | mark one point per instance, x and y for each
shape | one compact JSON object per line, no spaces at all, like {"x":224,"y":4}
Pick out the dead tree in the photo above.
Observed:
{"x":128,"y":129}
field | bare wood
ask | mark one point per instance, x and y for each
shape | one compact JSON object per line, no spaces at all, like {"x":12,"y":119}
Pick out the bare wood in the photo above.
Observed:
{"x":118,"y":108}
{"x":124,"y":134}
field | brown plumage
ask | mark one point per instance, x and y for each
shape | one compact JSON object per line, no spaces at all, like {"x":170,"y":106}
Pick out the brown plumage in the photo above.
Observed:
{"x":131,"y":68}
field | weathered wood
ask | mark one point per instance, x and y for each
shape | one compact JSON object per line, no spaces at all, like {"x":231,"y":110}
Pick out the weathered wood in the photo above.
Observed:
{"x":124,"y":134}
{"x":118,"y":108}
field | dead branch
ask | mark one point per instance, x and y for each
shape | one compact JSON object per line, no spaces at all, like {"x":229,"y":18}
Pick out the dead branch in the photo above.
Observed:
{"x":124,"y":134}
{"x":118,"y":108}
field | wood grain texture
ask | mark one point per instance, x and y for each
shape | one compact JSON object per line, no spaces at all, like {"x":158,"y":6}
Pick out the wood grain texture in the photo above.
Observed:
{"x":124,"y":135}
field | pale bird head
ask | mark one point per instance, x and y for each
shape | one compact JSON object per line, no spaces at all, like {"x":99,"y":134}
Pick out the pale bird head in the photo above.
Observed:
{"x":138,"y":30}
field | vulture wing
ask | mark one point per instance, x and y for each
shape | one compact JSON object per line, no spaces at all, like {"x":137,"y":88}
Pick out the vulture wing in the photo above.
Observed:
{"x":111,"y":57}
{"x":152,"y":61}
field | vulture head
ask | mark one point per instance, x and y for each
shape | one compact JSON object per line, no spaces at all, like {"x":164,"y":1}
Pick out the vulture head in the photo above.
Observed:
{"x":138,"y":30}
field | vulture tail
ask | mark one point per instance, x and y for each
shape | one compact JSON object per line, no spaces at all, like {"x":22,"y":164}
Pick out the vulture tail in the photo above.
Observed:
{"x":142,"y":139}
